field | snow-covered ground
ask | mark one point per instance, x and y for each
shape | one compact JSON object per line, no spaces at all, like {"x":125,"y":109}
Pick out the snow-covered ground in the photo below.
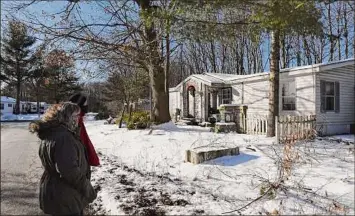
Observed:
{"x":26,"y":117}
{"x":90,"y":116}
{"x":144,"y":172}
{"x":30,"y":117}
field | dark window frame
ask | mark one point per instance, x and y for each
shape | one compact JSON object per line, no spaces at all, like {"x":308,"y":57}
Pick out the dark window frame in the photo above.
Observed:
{"x":225,"y":96}
{"x":284,"y":97}
{"x":330,"y":102}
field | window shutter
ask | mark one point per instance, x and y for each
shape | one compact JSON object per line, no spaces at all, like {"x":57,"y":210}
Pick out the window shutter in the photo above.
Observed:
{"x":337,"y":97}
{"x":322,"y":97}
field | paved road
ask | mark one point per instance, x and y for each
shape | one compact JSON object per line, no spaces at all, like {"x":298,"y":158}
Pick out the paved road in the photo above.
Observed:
{"x":20,"y":170}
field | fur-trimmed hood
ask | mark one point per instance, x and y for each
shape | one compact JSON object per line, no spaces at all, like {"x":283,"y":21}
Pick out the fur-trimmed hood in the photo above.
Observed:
{"x":44,"y":129}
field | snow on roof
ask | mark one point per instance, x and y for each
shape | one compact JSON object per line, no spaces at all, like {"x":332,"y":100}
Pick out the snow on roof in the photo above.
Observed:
{"x":223,"y":76}
{"x":334,"y":64}
{"x":35,"y":103}
{"x":5,"y":99}
{"x":207,"y":78}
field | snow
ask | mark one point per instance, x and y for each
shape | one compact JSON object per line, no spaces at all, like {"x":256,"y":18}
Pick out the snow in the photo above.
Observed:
{"x":169,"y":126}
{"x":90,"y":116}
{"x":345,"y":137}
{"x":12,"y":117}
{"x":144,"y":170}
{"x":5,"y":99}
{"x":225,"y":123}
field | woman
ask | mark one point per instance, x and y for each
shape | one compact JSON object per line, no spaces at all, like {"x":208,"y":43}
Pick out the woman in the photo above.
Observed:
{"x":81,"y":100}
{"x":65,"y":188}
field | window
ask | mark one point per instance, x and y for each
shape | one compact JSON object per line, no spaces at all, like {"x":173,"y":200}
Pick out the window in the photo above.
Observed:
{"x":9,"y":105}
{"x":289,"y":96}
{"x":225,"y":96}
{"x":2,"y":106}
{"x":330,"y":96}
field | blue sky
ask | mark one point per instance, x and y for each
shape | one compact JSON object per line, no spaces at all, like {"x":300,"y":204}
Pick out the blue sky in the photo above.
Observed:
{"x":52,"y":8}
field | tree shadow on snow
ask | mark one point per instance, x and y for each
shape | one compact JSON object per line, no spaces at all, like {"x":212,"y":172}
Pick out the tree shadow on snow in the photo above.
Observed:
{"x":232,"y":160}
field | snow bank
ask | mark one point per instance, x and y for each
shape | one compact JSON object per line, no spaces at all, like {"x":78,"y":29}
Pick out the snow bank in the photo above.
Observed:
{"x":345,"y":137}
{"x":90,"y":116}
{"x":12,"y":117}
{"x":169,"y":126}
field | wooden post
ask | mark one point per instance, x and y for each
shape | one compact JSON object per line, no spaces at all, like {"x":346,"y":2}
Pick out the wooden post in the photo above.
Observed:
{"x":277,"y":131}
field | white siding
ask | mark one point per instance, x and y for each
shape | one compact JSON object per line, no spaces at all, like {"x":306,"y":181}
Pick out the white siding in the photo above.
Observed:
{"x":338,"y":122}
{"x":174,"y":101}
{"x":255,"y":94}
{"x":305,"y":93}
{"x":7,"y":109}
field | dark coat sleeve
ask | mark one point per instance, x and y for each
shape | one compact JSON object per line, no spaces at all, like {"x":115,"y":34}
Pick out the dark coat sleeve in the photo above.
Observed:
{"x":66,"y":162}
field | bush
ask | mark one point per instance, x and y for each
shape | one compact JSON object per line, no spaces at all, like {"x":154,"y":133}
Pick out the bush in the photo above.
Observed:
{"x":101,"y":116}
{"x":139,"y":120}
{"x":130,"y":126}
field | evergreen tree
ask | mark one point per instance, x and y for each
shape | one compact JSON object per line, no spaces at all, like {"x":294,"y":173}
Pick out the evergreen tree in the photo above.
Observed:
{"x":16,"y":57}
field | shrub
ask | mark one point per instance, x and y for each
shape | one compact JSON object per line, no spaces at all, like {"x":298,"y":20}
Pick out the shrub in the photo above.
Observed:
{"x":117,"y":121}
{"x":139,"y":120}
{"x":130,"y":126}
{"x":102,"y":115}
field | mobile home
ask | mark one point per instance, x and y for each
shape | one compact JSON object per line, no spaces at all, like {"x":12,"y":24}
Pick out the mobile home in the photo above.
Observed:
{"x":325,"y":90}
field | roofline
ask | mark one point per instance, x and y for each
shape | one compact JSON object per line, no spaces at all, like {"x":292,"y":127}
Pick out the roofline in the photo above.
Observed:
{"x":342,"y":63}
{"x":313,"y":69}
{"x":196,"y":77}
{"x":216,"y":77}
{"x":333,"y":64}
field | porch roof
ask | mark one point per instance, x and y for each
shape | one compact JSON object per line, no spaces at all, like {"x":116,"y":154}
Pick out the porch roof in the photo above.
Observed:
{"x":208,"y":79}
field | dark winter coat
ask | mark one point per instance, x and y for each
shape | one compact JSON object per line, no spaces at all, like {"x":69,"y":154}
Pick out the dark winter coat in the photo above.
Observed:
{"x":65,"y":187}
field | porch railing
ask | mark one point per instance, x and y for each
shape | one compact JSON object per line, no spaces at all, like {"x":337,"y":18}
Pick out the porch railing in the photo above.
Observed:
{"x":255,"y":125}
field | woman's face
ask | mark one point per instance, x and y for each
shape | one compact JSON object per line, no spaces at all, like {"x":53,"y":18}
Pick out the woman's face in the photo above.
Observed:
{"x":76,"y":117}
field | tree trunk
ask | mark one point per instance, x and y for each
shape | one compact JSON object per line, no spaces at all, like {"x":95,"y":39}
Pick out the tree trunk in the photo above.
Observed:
{"x":274,"y":82}
{"x":167,"y":60}
{"x":346,"y":36}
{"x":283,"y":48}
{"x":241,"y":57}
{"x":122,"y":115}
{"x":130,"y":110}
{"x":338,"y":30}
{"x":156,"y":71}
{"x":330,"y":34}
{"x":18,"y":91}
{"x":298,"y":52}
{"x":213,"y":57}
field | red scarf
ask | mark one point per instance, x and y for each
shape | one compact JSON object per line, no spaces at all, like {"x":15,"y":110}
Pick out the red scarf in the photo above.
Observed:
{"x":93,"y":158}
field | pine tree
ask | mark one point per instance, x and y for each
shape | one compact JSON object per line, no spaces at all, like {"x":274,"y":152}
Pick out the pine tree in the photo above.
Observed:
{"x":16,"y":57}
{"x":284,"y":17}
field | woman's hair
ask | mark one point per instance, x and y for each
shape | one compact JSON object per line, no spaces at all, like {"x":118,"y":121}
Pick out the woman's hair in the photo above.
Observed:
{"x":62,"y":113}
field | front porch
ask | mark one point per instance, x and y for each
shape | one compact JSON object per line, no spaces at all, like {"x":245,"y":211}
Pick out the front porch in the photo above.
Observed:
{"x":201,"y":103}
